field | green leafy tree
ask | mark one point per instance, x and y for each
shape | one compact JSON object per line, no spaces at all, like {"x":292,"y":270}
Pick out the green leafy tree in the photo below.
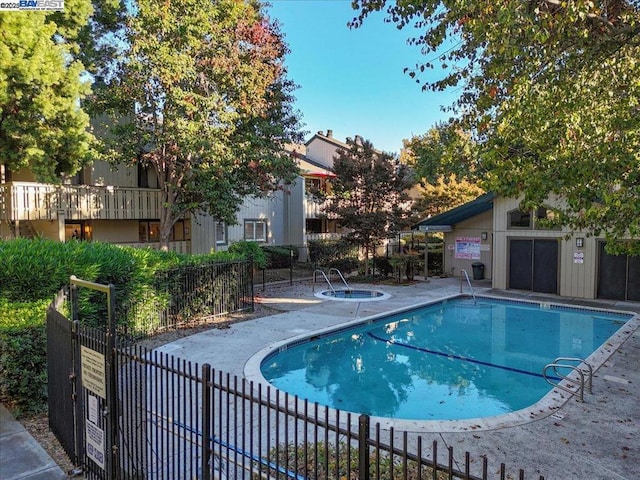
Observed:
{"x":444,"y":153}
{"x":443,"y":195}
{"x":551,"y":89}
{"x":201,"y":96}
{"x":42,"y":126}
{"x":369,"y":195}
{"x":444,"y":162}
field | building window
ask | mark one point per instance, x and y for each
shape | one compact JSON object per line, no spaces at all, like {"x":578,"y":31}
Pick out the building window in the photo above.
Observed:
{"x":221,"y":233}
{"x":255,"y":230}
{"x":519,"y":219}
{"x":546,"y":219}
{"x":312,"y":185}
{"x":148,"y":231}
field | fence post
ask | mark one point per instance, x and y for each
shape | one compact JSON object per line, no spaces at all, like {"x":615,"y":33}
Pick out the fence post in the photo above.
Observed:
{"x":112,"y":393}
{"x":206,"y":422}
{"x":363,"y":447}
{"x":291,"y":266}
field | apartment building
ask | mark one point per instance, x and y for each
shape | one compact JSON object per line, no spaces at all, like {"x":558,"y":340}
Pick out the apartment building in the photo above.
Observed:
{"x":122,"y":205}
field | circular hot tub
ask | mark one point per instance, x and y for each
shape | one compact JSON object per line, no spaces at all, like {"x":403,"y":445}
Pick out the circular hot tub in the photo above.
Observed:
{"x":353,"y":295}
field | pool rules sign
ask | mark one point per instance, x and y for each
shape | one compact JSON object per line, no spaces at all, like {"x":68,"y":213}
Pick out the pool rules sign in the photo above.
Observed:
{"x":94,"y":380}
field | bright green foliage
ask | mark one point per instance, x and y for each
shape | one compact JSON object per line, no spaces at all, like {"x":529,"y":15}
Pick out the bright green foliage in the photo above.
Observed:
{"x":41,"y":123}
{"x":445,"y":195}
{"x":23,"y":365}
{"x":552,"y":92}
{"x":445,"y":162}
{"x":444,"y":153}
{"x":201,"y":96}
{"x":250,"y":249}
{"x":369,"y":195}
{"x":33,"y":271}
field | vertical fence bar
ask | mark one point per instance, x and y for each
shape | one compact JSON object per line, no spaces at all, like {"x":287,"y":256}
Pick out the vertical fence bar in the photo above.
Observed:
{"x":434,"y":475}
{"x":391,"y":454}
{"x":378,"y":443}
{"x":206,"y":422}
{"x":363,"y":447}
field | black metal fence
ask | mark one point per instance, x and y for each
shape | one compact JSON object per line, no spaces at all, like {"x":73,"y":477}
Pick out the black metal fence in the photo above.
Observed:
{"x":167,"y":418}
{"x":180,"y":420}
{"x":188,"y":295}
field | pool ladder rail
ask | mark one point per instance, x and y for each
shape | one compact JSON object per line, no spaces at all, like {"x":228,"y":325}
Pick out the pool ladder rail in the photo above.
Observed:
{"x":463,"y":275}
{"x":327,"y":278}
{"x":584,"y":375}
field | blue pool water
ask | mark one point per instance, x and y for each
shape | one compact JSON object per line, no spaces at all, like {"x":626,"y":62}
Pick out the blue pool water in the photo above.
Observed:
{"x":447,"y":361}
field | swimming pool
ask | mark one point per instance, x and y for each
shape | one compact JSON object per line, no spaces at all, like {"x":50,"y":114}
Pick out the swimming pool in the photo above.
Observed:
{"x":446,"y":361}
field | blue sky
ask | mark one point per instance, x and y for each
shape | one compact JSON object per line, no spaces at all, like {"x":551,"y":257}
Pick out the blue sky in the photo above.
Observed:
{"x":352,"y":81}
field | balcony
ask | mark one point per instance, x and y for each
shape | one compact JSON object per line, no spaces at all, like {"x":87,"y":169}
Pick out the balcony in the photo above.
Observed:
{"x":38,"y":201}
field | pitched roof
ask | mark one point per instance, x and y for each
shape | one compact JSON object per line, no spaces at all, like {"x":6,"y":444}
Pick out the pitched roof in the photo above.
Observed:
{"x":445,"y":221}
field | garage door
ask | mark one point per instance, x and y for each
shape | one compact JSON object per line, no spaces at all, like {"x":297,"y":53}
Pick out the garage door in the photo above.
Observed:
{"x":618,"y":276}
{"x":533,"y":265}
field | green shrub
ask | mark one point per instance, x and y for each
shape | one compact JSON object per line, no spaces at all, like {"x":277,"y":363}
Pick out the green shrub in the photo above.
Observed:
{"x":23,"y":362}
{"x":407,"y":264}
{"x":334,"y":254}
{"x":33,"y":271}
{"x":249,"y":249}
{"x":281,"y":256}
{"x":383,"y":265}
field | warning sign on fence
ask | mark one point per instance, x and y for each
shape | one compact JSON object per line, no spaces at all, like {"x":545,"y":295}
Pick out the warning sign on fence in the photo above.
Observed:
{"x":92,"y":367}
{"x":95,"y":444}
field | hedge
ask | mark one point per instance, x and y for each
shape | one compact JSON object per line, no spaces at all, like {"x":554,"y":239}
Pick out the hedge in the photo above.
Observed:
{"x":33,"y":271}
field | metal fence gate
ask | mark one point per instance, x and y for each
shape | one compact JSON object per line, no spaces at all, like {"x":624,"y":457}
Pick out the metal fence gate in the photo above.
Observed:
{"x":61,"y":386}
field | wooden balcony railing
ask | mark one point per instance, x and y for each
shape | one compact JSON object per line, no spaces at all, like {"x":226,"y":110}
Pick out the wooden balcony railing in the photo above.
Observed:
{"x":37,"y":201}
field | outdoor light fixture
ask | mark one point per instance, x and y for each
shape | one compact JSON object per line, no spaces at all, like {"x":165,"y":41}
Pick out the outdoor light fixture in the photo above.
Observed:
{"x":483,"y":235}
{"x":579,"y":242}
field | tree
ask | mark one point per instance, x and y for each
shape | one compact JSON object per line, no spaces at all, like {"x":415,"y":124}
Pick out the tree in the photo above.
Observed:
{"x":369,"y":195}
{"x":444,"y":161}
{"x":201,"y":96}
{"x":551,"y":91}
{"x":445,"y":152}
{"x":42,"y":126}
{"x":443,"y":195}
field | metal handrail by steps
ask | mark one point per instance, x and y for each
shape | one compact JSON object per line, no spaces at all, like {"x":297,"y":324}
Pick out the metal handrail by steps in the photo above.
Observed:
{"x":585,"y":375}
{"x":466,"y":275}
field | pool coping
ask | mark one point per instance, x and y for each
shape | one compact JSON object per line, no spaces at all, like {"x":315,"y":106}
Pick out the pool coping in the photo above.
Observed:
{"x":545,"y":407}
{"x":323,"y":295}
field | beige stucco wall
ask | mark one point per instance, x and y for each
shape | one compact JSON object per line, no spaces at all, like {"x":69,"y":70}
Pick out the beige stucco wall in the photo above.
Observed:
{"x":115,"y":231}
{"x":472,"y":227}
{"x":575,"y":279}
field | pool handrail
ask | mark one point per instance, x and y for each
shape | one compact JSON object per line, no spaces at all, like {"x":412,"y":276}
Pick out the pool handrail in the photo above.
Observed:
{"x":325,"y":277}
{"x":341,"y":277}
{"x":581,"y":372}
{"x":473,"y":294}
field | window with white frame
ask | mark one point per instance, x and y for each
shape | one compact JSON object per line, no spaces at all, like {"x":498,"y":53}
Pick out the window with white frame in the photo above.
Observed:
{"x":255,"y":230}
{"x":221,"y":233}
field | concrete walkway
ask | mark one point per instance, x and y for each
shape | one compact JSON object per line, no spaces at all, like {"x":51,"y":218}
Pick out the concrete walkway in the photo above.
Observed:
{"x":598,"y":439}
{"x":21,"y":456}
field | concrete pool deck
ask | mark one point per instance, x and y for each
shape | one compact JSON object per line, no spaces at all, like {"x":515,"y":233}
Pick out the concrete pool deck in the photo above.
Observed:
{"x":597,"y":439}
